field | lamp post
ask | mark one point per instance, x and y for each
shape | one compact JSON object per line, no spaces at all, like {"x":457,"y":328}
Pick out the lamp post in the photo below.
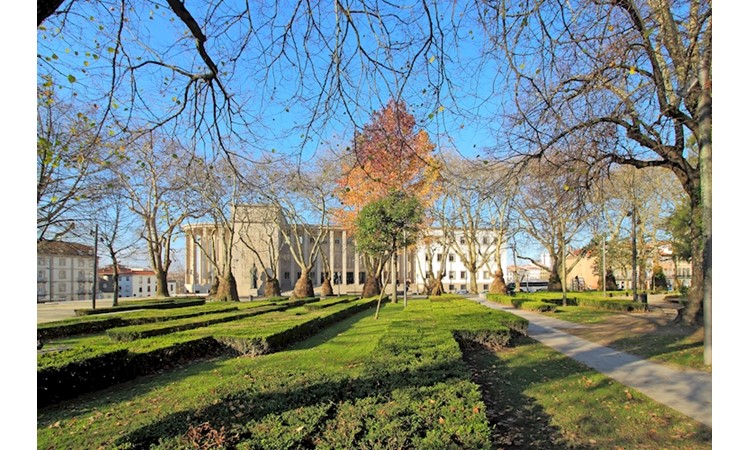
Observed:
{"x":96,"y":269}
{"x":406,"y":285}
{"x":635,"y":255}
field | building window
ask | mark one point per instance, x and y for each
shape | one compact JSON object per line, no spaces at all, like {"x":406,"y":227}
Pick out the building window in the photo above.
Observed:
{"x":61,"y":261}
{"x":452,"y":274}
{"x":463,"y":275}
{"x":148,"y":280}
{"x":486,"y":287}
{"x":439,"y":256}
{"x":337,"y":241}
{"x":349,"y":277}
{"x":362,"y":277}
{"x":286,"y":275}
{"x":451,"y":257}
{"x":148,"y":289}
{"x":61,"y":288}
{"x":486,"y":274}
{"x":451,"y":287}
{"x":463,"y":287}
{"x":63,"y":274}
{"x":462,"y":240}
{"x":485,"y":240}
{"x":140,"y":289}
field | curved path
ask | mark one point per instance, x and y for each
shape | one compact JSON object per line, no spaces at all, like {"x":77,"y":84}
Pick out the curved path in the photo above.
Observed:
{"x":686,"y":391}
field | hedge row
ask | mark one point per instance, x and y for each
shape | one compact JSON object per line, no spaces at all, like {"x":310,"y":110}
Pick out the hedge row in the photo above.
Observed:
{"x":99,"y":324}
{"x":133,"y":332}
{"x":538,"y":306}
{"x":414,"y":392}
{"x":326,"y":303}
{"x":97,"y":368}
{"x":145,"y":304}
{"x":103,"y":370}
{"x":532,"y":302}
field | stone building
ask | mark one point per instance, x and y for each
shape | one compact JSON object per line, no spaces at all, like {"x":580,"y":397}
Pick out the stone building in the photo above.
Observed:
{"x":259,"y":249}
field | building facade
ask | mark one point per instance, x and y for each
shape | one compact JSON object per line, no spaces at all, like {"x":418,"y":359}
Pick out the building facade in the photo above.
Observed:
{"x":65,"y":271}
{"x":259,"y":250}
{"x":132,"y":282}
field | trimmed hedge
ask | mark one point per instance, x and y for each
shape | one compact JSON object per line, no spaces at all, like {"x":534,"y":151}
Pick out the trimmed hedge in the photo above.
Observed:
{"x":98,"y":368}
{"x":131,"y":333}
{"x":102,"y":370}
{"x":97,"y":324}
{"x":153,"y":304}
{"x":538,"y":306}
{"x":520,"y":302}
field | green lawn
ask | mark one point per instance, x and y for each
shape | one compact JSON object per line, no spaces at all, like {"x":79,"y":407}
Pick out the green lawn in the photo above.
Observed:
{"x":397,"y":382}
{"x":543,"y":400}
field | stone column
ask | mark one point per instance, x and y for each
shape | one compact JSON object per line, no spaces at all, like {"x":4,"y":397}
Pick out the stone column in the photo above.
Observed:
{"x":343,"y":260}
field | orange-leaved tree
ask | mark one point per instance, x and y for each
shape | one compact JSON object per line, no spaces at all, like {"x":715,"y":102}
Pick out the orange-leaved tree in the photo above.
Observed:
{"x":389,"y":154}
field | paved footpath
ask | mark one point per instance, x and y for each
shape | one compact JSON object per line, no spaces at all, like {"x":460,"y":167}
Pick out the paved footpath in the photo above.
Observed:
{"x":686,"y":391}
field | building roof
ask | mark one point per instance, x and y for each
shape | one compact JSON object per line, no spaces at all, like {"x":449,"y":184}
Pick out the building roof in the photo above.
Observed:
{"x":62,"y":248}
{"x":122,"y":270}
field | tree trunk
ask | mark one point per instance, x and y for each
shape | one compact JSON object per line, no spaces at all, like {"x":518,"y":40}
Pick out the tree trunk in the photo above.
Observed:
{"x":434,"y":286}
{"x":473,"y":286}
{"x":115,"y":292}
{"x":162,"y":288}
{"x":226,"y":290}
{"x":555,"y":285}
{"x":326,"y":290}
{"x":372,"y":286}
{"x":498,"y":285}
{"x":272,"y":288}
{"x":691,"y":314}
{"x":303,"y":288}
{"x":214,"y":289}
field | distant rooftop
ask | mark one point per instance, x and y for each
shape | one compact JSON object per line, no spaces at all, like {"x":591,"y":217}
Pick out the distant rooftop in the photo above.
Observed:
{"x":62,"y":248}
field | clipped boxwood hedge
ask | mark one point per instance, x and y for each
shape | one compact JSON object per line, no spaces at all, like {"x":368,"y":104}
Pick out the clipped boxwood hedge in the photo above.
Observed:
{"x":98,"y":324}
{"x":133,"y":332}
{"x":538,"y":306}
{"x":98,"y":368}
{"x":153,"y":304}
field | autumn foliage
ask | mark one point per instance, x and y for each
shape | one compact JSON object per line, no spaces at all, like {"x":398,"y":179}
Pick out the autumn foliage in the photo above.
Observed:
{"x":390,"y":154}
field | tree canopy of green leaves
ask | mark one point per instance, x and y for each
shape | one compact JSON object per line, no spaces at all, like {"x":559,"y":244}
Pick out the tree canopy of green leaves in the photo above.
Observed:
{"x":392,"y":222}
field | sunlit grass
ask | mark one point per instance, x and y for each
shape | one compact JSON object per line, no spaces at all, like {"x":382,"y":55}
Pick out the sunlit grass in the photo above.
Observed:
{"x":549,"y":401}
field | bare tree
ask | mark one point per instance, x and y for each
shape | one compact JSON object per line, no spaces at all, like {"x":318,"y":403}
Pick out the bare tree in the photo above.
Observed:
{"x":301,"y":197}
{"x":258,"y":232}
{"x":553,"y":209}
{"x":216,"y":190}
{"x":117,"y":234}
{"x":633,"y":76}
{"x":155,"y":177}
{"x":70,"y":169}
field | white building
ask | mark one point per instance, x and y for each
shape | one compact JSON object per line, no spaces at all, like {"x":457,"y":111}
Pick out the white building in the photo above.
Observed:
{"x":456,"y":254}
{"x":132,"y":282}
{"x":65,"y":271}
{"x":257,"y":225}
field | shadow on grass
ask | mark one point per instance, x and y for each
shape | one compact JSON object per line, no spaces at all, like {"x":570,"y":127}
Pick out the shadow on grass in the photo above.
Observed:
{"x":594,"y":412}
{"x":332,"y":331}
{"x":235,"y":411}
{"x":516,"y":420}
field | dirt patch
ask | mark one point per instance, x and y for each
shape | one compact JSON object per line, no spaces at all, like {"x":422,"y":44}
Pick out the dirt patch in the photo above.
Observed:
{"x":623,"y":326}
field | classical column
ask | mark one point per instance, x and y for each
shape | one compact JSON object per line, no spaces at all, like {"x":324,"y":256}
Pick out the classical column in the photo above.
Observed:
{"x":331,"y":253}
{"x":356,"y":267}
{"x":344,"y":281}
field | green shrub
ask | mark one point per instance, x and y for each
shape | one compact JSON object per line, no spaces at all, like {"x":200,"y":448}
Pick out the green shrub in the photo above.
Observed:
{"x":145,"y":304}
{"x":538,"y":306}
